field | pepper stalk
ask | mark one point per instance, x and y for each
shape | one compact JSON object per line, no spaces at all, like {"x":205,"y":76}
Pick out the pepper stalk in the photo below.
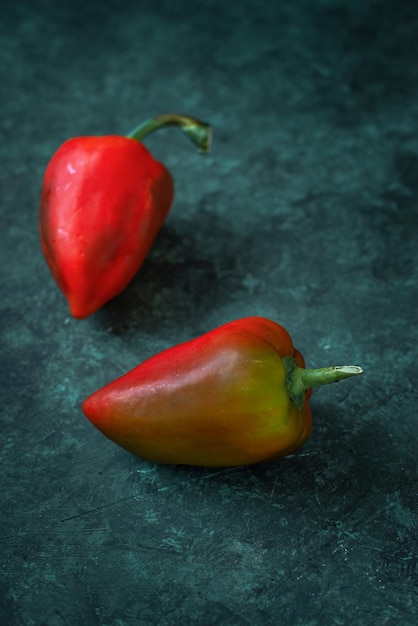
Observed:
{"x":198,"y":132}
{"x":299,"y":379}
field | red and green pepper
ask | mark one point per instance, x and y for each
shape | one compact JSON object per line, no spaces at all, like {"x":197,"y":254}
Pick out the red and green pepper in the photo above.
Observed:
{"x":235,"y":396}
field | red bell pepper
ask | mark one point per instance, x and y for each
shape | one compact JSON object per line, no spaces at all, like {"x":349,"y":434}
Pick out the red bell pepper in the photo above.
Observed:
{"x":235,"y":396}
{"x":103,"y":201}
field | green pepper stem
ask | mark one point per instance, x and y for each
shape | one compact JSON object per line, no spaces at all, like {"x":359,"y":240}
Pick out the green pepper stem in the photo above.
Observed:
{"x":299,"y":379}
{"x":199,"y":132}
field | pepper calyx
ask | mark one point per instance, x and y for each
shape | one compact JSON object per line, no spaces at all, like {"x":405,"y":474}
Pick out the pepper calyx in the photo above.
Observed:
{"x":293,"y":381}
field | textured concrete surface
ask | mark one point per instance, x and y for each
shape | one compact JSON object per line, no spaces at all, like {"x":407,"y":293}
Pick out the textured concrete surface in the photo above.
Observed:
{"x":305,"y":211}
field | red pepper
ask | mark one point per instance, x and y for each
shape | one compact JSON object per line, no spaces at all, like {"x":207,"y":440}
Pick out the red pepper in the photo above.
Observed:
{"x":235,"y":396}
{"x":103,"y":201}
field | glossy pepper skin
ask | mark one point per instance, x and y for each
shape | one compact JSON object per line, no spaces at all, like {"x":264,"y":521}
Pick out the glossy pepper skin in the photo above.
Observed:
{"x":103,"y":201}
{"x":218,"y":400}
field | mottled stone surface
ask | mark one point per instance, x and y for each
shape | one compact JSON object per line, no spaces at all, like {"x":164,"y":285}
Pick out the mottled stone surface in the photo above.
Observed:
{"x":305,"y":211}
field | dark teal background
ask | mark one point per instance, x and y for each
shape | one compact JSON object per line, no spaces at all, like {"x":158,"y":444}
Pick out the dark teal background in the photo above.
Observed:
{"x":305,"y":211}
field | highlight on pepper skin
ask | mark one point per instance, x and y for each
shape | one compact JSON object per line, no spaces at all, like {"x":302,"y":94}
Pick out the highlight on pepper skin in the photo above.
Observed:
{"x":237,"y":395}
